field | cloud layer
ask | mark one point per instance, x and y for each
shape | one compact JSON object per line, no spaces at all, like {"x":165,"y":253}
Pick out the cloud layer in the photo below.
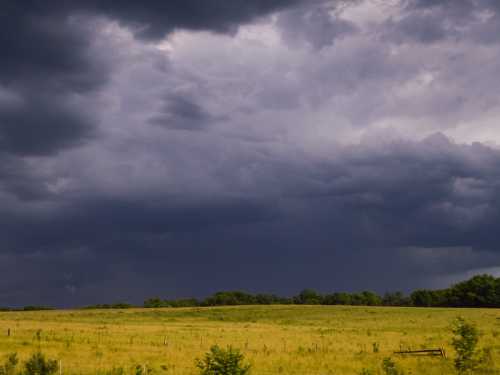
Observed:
{"x":178,"y":148}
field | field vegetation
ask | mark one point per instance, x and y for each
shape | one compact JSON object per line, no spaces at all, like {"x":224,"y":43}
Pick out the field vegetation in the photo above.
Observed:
{"x":274,"y":339}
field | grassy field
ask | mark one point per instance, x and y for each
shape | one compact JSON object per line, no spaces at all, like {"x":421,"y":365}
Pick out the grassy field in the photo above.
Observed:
{"x":275,"y":339}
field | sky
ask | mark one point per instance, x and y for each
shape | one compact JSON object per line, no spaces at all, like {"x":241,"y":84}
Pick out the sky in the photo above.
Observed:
{"x":177,"y":148}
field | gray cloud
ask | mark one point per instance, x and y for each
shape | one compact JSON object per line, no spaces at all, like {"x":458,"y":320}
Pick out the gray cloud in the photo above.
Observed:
{"x":47,"y":49}
{"x":308,"y":164}
{"x":431,"y":21}
{"x":47,"y":60}
{"x":368,"y":200}
{"x":154,"y":19}
{"x":40,"y":125}
{"x":320,"y":26}
{"x":182,"y":113}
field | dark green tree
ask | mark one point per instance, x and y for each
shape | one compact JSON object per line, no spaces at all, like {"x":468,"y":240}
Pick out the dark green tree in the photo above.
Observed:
{"x":479,"y":291}
{"x":308,"y":297}
{"x":395,"y":299}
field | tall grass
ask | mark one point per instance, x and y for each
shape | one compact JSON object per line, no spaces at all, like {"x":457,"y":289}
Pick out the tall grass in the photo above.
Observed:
{"x":274,"y":339}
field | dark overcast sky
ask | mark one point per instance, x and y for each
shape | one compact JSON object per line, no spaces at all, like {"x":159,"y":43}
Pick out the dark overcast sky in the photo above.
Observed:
{"x":176,"y":148}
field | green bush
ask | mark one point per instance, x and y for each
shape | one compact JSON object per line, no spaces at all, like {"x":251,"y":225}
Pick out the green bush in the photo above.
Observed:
{"x":37,"y":364}
{"x":9,"y":366}
{"x":223,"y":362}
{"x":389,"y":367}
{"x":465,"y":344}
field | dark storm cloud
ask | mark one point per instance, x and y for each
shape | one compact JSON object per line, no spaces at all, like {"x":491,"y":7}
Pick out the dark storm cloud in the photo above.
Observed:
{"x":45,"y":60}
{"x":371,"y":198}
{"x":40,"y":125}
{"x":100,"y":220}
{"x":183,"y":113}
{"x":41,"y":44}
{"x":314,"y":25}
{"x":263,"y":198}
{"x":46,"y":56}
{"x":153,"y":19}
{"x":430,"y":21}
{"x":19,"y":180}
{"x":426,"y":194}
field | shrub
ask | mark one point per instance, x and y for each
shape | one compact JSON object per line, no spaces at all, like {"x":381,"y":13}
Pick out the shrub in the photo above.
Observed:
{"x":37,"y":364}
{"x":389,"y":367}
{"x":9,"y":367}
{"x":465,"y":343}
{"x":223,"y":362}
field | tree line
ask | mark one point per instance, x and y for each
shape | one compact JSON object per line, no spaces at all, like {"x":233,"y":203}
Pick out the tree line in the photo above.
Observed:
{"x":27,"y":308}
{"x":478,"y":291}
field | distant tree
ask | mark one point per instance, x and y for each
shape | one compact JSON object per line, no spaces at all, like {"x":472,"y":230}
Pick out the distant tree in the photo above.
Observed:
{"x":421,"y":298}
{"x":308,"y":297}
{"x":370,"y":298}
{"x":329,"y":299}
{"x":285,"y":300}
{"x":118,"y":305}
{"x":395,"y":299}
{"x":121,"y":305}
{"x":230,"y":298}
{"x":183,"y":302}
{"x":153,"y":302}
{"x":357,"y":299}
{"x":266,"y":299}
{"x":342,"y":298}
{"x":36,"y":308}
{"x":479,"y":291}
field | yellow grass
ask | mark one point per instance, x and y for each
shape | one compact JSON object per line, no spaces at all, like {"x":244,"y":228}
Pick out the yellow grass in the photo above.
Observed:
{"x":275,"y":339}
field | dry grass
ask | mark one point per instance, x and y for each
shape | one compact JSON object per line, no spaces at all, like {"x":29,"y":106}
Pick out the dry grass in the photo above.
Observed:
{"x":275,"y":339}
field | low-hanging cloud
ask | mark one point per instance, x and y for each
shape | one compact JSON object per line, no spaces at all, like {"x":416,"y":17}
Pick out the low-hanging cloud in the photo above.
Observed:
{"x":176,"y":148}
